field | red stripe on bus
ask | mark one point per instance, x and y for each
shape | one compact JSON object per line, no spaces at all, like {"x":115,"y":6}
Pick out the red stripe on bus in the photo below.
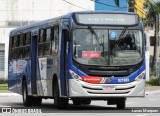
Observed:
{"x":92,"y":79}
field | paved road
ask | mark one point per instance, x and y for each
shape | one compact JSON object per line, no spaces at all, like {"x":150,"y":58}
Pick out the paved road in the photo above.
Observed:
{"x":151,"y":100}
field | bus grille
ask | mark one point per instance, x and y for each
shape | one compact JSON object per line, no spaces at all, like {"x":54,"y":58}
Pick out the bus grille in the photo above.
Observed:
{"x":118,"y":89}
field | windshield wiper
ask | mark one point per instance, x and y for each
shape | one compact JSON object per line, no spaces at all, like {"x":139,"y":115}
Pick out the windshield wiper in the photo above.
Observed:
{"x":120,"y":37}
{"x":94,"y":33}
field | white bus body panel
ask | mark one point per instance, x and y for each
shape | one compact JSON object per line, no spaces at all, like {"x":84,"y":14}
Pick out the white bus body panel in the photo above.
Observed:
{"x":83,"y":89}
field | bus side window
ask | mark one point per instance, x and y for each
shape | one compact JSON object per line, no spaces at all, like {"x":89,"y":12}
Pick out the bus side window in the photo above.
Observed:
{"x":20,"y":48}
{"x":10,"y":47}
{"x":14,"y":53}
{"x":27,"y":42}
{"x":14,"y":47}
{"x":55,"y":41}
{"x":10,"y":53}
{"x":40,"y":43}
{"x":28,"y":39}
{"x":47,"y":42}
{"x":21,"y":40}
{"x":15,"y":41}
{"x":41,"y":37}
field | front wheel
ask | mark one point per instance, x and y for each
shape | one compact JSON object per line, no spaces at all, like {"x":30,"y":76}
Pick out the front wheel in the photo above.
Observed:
{"x":58,"y":101}
{"x":77,"y":102}
{"x":86,"y":102}
{"x":80,"y":102}
{"x":121,"y":104}
{"x":27,"y":100}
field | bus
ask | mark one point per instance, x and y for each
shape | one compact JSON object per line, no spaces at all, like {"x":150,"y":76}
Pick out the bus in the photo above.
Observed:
{"x":81,"y":56}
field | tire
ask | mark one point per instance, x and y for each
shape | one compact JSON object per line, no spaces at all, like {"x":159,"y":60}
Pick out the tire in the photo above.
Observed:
{"x":86,"y":102}
{"x":27,"y":100}
{"x":77,"y":102}
{"x":58,"y":101}
{"x":37,"y":101}
{"x":121,"y":104}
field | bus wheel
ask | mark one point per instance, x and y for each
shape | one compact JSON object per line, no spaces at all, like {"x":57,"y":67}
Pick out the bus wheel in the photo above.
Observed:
{"x":77,"y":102}
{"x":58,"y":101}
{"x":121,"y":103}
{"x":37,"y":101}
{"x":27,"y":100}
{"x":86,"y":102}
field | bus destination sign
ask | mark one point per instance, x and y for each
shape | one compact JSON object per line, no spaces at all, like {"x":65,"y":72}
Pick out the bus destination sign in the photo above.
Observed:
{"x":107,"y":19}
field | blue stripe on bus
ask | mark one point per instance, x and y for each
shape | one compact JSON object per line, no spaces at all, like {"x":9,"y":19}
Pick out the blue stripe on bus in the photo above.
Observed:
{"x":114,"y":79}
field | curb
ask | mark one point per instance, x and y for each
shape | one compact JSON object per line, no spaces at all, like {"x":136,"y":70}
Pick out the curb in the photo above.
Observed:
{"x":8,"y":94}
{"x":152,"y":92}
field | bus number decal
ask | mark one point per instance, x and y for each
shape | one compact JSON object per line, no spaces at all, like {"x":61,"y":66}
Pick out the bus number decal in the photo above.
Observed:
{"x":123,"y":80}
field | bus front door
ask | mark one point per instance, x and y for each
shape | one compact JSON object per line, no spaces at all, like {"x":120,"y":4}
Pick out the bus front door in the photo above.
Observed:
{"x":64,"y":63}
{"x":34,"y":37}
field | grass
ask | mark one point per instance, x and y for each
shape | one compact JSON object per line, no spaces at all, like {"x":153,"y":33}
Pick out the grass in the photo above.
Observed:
{"x":3,"y":81}
{"x":154,"y":81}
{"x":148,"y":85}
{"x":3,"y":87}
{"x":3,"y":84}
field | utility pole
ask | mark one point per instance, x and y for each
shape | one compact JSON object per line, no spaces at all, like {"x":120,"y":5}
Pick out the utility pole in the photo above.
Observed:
{"x":157,"y":46}
{"x":131,"y":5}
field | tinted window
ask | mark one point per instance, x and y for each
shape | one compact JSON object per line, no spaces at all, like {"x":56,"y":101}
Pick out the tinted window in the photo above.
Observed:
{"x":41,"y":36}
{"x":15,"y":41}
{"x":20,"y":50}
{"x":48,"y":34}
{"x":14,"y":53}
{"x":40,"y":49}
{"x":47,"y":48}
{"x":55,"y":42}
{"x":28,"y":38}
{"x":21,"y":40}
{"x":10,"y":53}
{"x":27,"y":51}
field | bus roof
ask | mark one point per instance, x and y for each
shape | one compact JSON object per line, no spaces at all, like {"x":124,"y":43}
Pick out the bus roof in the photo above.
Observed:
{"x":57,"y":20}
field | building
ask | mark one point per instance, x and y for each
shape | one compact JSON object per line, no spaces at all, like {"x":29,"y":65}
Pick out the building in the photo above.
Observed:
{"x":110,"y":5}
{"x":16,"y":13}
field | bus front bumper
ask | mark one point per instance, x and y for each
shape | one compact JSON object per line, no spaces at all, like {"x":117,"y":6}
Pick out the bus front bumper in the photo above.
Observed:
{"x":87,"y":90}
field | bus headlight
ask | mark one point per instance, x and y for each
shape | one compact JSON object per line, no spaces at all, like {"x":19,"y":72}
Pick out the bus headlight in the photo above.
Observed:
{"x":75,"y":76}
{"x":140,"y":77}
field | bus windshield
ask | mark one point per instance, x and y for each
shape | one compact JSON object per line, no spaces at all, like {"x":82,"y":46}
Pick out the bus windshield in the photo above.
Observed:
{"x":107,"y":47}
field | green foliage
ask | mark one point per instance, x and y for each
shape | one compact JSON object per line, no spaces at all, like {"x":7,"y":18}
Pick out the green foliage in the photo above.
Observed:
{"x":148,"y":85}
{"x":4,"y":88}
{"x":153,"y":9}
{"x":3,"y":81}
{"x":154,"y":81}
{"x":154,"y":70}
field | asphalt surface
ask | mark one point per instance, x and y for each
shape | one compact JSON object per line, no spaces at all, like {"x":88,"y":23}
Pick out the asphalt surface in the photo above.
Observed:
{"x":134,"y":106}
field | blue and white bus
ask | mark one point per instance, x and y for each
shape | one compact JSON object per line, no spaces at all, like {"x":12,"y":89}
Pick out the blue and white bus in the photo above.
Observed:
{"x":81,"y":56}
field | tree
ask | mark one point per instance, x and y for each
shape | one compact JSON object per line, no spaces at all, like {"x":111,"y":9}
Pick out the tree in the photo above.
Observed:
{"x":152,"y":19}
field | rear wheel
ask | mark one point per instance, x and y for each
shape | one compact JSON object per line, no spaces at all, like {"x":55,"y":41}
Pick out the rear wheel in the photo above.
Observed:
{"x":27,"y":100}
{"x":37,"y":101}
{"x":58,"y":101}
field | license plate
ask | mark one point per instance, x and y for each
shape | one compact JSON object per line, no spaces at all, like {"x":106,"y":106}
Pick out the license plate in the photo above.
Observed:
{"x":108,"y":88}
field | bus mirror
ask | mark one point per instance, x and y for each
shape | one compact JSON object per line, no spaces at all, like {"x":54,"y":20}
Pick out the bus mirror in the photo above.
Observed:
{"x":66,"y":26}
